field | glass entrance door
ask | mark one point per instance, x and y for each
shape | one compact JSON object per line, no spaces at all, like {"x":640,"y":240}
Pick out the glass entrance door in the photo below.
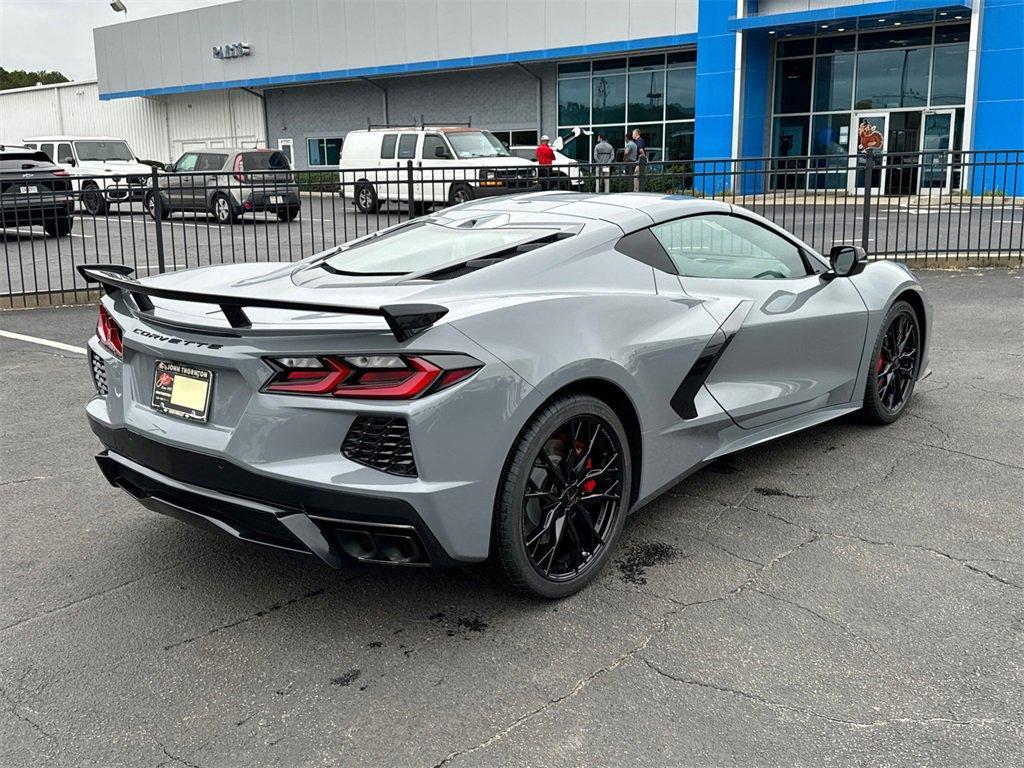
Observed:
{"x":936,"y":143}
{"x":872,"y":136}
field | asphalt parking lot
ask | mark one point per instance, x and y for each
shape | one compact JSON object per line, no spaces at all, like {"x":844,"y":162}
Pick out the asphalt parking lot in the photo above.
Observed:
{"x":850,"y":595}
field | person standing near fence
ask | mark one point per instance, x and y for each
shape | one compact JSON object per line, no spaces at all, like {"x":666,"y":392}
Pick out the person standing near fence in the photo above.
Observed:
{"x":629,"y":155}
{"x":545,"y":159}
{"x":604,"y":154}
{"x":641,"y":157}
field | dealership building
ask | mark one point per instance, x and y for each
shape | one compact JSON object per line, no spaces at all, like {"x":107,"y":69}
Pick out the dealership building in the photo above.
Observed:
{"x":701,"y":79}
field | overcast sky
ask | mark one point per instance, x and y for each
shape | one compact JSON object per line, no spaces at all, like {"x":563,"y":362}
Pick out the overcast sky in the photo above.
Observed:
{"x":57,"y":34}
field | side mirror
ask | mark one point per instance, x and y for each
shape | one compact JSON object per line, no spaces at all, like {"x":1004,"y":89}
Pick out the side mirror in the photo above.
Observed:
{"x":441,"y":153}
{"x":846,"y":261}
{"x":69,"y":161}
{"x":169,"y":168}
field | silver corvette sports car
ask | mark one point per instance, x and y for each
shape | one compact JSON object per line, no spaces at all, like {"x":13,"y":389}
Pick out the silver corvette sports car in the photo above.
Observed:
{"x":506,"y":379}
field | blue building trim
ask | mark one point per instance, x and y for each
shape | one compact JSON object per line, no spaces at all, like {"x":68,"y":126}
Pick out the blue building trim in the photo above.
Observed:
{"x":716,"y":81}
{"x":546,"y":54}
{"x":999,"y":104}
{"x":835,"y":13}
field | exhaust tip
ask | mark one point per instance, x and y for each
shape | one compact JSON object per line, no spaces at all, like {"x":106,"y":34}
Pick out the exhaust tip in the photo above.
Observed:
{"x":378,"y":547}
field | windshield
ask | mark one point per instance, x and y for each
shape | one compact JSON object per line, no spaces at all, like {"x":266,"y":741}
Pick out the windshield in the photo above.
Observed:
{"x":103,"y":150}
{"x":469,"y":144}
{"x":423,"y":246}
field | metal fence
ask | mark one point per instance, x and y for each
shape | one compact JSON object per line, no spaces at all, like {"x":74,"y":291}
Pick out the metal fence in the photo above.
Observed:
{"x":940,"y":208}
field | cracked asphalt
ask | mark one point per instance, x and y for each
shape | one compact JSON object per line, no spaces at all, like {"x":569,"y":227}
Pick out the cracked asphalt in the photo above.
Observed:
{"x":851,"y":595}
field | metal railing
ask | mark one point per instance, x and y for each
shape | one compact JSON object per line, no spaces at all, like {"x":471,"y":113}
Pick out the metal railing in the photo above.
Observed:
{"x":940,"y":208}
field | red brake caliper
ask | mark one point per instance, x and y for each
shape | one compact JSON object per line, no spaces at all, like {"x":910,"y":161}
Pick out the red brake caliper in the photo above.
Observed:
{"x":589,"y":485}
{"x":881,"y":363}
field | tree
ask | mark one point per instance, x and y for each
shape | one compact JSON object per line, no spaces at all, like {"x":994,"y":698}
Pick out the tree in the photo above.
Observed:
{"x":19,"y":78}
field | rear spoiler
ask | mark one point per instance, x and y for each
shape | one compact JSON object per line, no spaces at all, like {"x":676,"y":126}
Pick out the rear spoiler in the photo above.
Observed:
{"x":404,"y":320}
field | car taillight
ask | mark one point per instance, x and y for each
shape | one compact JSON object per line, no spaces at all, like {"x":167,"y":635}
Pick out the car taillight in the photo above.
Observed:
{"x":390,"y":377}
{"x":60,"y":172}
{"x":239,"y":176}
{"x":109,"y":332}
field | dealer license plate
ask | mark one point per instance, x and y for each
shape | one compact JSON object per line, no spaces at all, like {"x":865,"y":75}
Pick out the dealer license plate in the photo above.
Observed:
{"x":182,"y":390}
{"x":276,"y":200}
{"x":29,"y":190}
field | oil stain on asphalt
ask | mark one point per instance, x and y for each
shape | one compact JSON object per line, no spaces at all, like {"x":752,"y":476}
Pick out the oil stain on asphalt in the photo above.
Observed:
{"x":634,"y":563}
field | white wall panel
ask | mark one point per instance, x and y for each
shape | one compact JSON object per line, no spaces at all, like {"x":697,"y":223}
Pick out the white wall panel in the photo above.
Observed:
{"x":156,"y":128}
{"x":421,"y":31}
{"x":297,"y":37}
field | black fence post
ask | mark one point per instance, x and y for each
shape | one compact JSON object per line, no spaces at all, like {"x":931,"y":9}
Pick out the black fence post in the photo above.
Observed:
{"x":640,"y":163}
{"x":411,"y":189}
{"x":869,"y":170}
{"x":158,"y":218}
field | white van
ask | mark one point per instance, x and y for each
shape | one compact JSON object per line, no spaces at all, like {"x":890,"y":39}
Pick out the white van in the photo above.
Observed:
{"x":106,"y":168}
{"x":450,"y":165}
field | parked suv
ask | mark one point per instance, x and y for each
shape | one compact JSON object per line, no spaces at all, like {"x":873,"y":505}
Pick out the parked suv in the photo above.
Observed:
{"x":104,"y":170}
{"x":450,"y":165}
{"x":227,"y":183}
{"x":34,"y":191}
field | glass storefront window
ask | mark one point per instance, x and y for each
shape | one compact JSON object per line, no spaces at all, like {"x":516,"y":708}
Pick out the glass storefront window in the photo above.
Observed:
{"x":895,"y":38}
{"x":681,"y":94}
{"x":654,"y":136}
{"x":646,"y":96}
{"x":609,"y":99}
{"x":892,"y":79}
{"x":614,"y":96}
{"x":787,"y":48}
{"x":793,"y":85}
{"x":949,"y":75}
{"x":616,"y":136}
{"x":837,"y":44}
{"x":574,"y":101}
{"x":833,"y":82}
{"x":678,"y":141}
{"x":323,"y":152}
{"x":789,"y":136}
{"x":830,"y":149}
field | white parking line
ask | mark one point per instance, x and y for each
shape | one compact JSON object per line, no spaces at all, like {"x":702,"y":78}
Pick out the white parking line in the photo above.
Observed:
{"x":43,"y":342}
{"x":23,"y":231}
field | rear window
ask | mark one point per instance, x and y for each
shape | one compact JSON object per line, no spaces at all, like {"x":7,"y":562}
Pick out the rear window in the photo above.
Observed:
{"x":425,"y":246}
{"x":264,"y":161}
{"x":18,"y":156}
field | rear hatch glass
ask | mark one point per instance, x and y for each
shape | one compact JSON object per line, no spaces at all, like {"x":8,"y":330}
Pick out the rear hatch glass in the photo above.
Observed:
{"x":264,"y":161}
{"x":422,"y":246}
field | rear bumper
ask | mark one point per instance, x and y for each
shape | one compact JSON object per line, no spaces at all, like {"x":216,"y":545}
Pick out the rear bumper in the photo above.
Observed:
{"x":214,"y":494}
{"x":272,"y":200}
{"x":22,"y":212}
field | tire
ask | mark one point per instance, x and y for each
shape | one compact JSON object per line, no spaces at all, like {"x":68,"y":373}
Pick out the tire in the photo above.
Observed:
{"x":529,"y":539}
{"x":165,"y":209}
{"x":893,"y":366}
{"x":366,"y":199}
{"x":222,"y":209}
{"x":93,"y":200}
{"x":58,"y":227}
{"x":289,"y":214}
{"x":460,"y":193}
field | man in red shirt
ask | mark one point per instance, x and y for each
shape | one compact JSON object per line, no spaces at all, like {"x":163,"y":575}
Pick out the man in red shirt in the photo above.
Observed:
{"x":545,"y":157}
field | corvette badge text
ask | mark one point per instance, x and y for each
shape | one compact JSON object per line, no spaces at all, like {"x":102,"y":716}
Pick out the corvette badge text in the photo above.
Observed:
{"x":175,"y":340}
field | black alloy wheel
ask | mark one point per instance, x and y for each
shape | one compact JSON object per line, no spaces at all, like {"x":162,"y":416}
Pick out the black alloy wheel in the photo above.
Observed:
{"x":563,"y":498}
{"x":894,"y":365}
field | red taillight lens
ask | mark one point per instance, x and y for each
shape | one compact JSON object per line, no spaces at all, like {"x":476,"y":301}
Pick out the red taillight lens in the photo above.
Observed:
{"x":381,"y":377}
{"x":61,"y":172}
{"x":239,"y":176}
{"x":109,"y":333}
